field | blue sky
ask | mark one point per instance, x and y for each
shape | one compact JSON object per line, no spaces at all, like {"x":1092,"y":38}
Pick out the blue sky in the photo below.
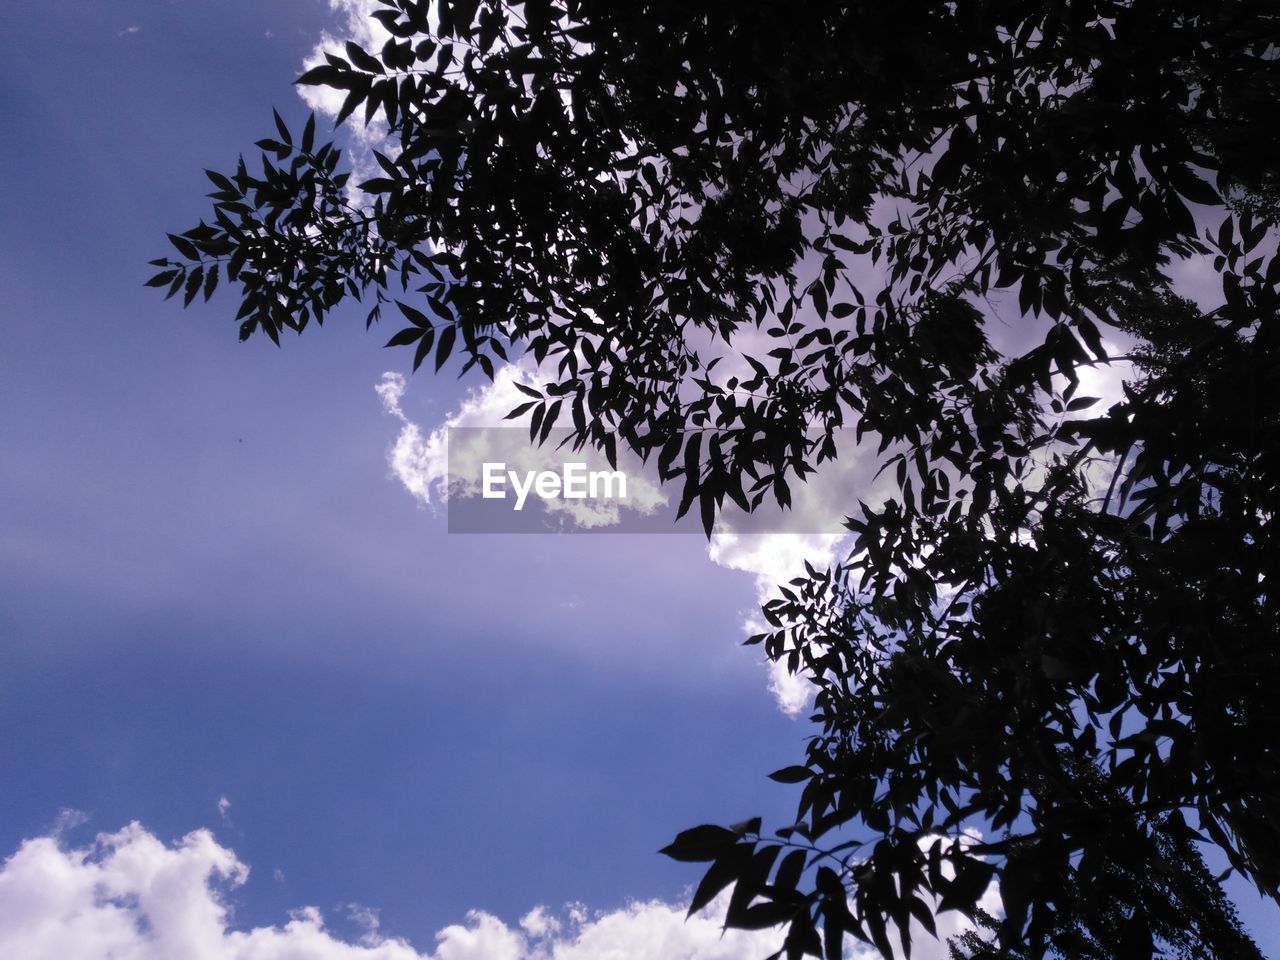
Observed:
{"x":213,"y":588}
{"x":211,"y":585}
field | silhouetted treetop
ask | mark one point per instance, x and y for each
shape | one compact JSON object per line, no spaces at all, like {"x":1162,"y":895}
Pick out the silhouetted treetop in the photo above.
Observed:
{"x":725,"y":231}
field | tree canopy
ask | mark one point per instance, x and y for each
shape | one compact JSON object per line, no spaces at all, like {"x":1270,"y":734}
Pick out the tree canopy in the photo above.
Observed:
{"x":728,"y":231}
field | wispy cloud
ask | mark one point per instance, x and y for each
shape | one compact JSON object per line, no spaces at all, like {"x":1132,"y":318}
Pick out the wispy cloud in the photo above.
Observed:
{"x":67,"y":820}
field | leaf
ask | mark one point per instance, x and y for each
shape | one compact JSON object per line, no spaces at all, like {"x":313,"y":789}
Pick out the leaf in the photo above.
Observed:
{"x":281,"y":150}
{"x":210,"y":281}
{"x":184,"y":247}
{"x":1193,"y":187}
{"x":535,"y":421}
{"x":219,"y":181}
{"x":751,"y":825}
{"x":416,"y":317}
{"x":972,"y":878}
{"x":193,"y":285}
{"x":353,"y":100}
{"x":284,"y":130}
{"x":405,"y":337}
{"x":790,"y":870}
{"x":379,"y":185}
{"x":1081,"y":403}
{"x":549,"y":421}
{"x":424,"y":347}
{"x":692,"y":457}
{"x":309,"y":133}
{"x":698,"y":844}
{"x":726,"y":869}
{"x":521,"y":410}
{"x":793,"y":774}
{"x":447,"y":336}
{"x":323,"y":75}
{"x":363,"y":60}
{"x":707,"y":509}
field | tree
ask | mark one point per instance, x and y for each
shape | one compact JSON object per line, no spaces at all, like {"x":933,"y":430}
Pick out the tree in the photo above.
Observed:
{"x":726,"y":231}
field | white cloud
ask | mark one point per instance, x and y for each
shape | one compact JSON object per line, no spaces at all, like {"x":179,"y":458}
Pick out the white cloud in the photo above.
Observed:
{"x":422,"y":462}
{"x":539,"y":923}
{"x":368,"y":919}
{"x":811,"y":531}
{"x":130,"y":896}
{"x":773,"y":559}
{"x":89,"y":904}
{"x":658,"y":931}
{"x":354,"y":23}
{"x":418,"y":464}
{"x":67,"y":820}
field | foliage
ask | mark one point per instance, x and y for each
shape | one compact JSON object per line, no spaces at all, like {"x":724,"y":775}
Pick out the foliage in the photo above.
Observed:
{"x":725,"y":231}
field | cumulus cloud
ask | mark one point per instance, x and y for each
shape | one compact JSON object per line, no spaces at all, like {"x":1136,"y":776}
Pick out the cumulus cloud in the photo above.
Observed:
{"x":427,"y":468}
{"x":449,"y":459}
{"x":353,"y":22}
{"x":130,"y":896}
{"x":810,"y":532}
{"x":773,"y":559}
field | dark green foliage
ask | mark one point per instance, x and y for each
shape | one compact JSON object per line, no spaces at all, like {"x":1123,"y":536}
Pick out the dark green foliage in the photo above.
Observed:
{"x":1057,"y":632}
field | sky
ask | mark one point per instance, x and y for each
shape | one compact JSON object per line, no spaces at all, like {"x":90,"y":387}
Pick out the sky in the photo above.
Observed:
{"x":255,"y":700}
